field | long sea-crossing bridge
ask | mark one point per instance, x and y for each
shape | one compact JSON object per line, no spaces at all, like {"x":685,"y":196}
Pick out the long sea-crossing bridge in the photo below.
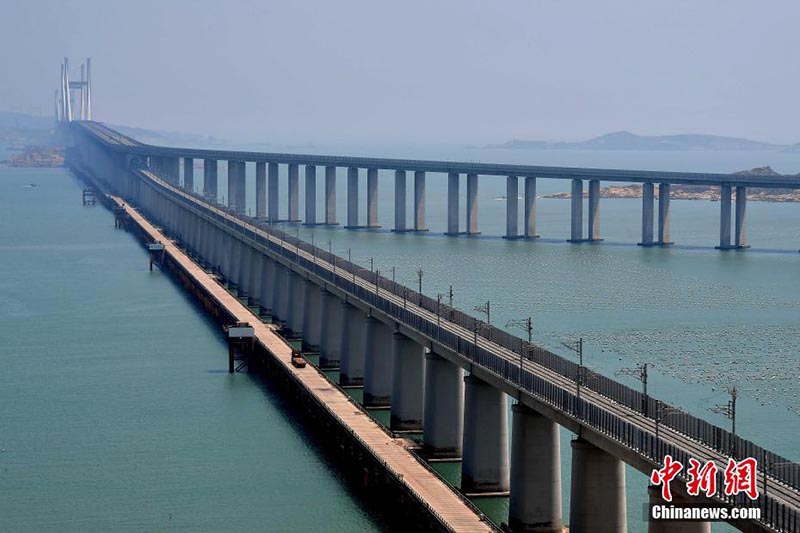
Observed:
{"x":434,"y":367}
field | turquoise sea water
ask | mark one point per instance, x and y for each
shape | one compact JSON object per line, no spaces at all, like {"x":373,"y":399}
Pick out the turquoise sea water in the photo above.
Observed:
{"x":119,"y":415}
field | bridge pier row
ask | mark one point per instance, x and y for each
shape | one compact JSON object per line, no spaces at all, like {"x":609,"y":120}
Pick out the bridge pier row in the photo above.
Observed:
{"x":378,"y":364}
{"x":535,"y":501}
{"x":330,"y":196}
{"x":443,"y":412}
{"x":724,"y":218}
{"x":740,"y":237}
{"x":261,"y":189}
{"x":293,"y":190}
{"x":594,"y":211}
{"x":311,"y":317}
{"x":408,"y":383}
{"x":576,"y":211}
{"x":664,"y":192}
{"x":597,"y":493}
{"x":210,"y":169}
{"x":484,"y":465}
{"x":512,"y":207}
{"x":399,"y":201}
{"x":353,"y":350}
{"x":452,"y":203}
{"x":472,"y":204}
{"x":419,"y":201}
{"x":372,"y":198}
{"x":188,"y":174}
{"x":664,"y":526}
{"x":647,"y":214}
{"x":272,"y":200}
{"x":330,"y":332}
{"x":530,"y":207}
{"x":352,"y":198}
{"x":311,"y":195}
{"x":267,"y":284}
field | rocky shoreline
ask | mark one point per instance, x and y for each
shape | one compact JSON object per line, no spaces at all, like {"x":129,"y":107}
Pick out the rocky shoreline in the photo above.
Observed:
{"x":37,"y":157}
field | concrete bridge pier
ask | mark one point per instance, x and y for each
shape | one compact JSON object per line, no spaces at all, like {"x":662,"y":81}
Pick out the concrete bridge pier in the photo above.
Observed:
{"x":597,"y":494}
{"x":484,"y":465}
{"x":294,"y":193}
{"x":664,"y":192}
{"x":172,"y":170}
{"x":311,"y":317}
{"x":419,"y":201}
{"x":740,"y":237}
{"x":267,"y":284}
{"x":234,"y":264}
{"x":535,"y":502}
{"x":245,"y":274}
{"x":353,"y":350}
{"x":261,"y":189}
{"x":408,"y":383}
{"x":663,"y":526}
{"x":279,"y":288}
{"x":297,"y":287}
{"x":256,"y":261}
{"x":725,"y":218}
{"x":594,"y":211}
{"x":352,"y":198}
{"x":236,"y":187}
{"x":330,"y":196}
{"x":472,"y":204}
{"x":512,"y":207}
{"x":576,"y":211}
{"x":330,"y":331}
{"x":188,"y":174}
{"x":311,"y":195}
{"x":647,"y":214}
{"x":452,"y":203}
{"x":530,"y":208}
{"x":372,"y":198}
{"x":443,"y":416}
{"x":272,"y":199}
{"x":399,"y":201}
{"x":210,"y":168}
{"x":378,"y":364}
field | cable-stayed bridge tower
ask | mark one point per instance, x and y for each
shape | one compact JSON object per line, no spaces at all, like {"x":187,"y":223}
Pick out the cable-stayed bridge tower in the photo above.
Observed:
{"x":67,"y":107}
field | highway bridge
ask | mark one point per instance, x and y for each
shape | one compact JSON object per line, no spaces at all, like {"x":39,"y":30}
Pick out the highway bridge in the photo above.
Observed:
{"x":436,"y":368}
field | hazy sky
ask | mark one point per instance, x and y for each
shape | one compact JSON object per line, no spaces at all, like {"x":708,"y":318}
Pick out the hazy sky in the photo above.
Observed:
{"x":415,"y":71}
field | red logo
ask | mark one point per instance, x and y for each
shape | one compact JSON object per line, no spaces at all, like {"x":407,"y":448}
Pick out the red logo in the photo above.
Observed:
{"x":741,"y":477}
{"x":664,"y":476}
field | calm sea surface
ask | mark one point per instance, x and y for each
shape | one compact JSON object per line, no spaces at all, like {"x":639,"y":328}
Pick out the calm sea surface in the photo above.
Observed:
{"x":115,"y":410}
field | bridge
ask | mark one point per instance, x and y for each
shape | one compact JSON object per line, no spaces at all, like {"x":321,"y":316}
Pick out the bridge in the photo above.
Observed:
{"x":434,"y":367}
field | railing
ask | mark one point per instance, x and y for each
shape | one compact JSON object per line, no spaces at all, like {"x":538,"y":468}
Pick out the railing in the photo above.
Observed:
{"x":774,"y":513}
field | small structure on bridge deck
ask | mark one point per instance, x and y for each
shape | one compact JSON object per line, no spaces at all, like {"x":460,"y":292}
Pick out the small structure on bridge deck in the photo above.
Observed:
{"x":155,"y":252}
{"x":241,"y":335}
{"x":89,"y":197}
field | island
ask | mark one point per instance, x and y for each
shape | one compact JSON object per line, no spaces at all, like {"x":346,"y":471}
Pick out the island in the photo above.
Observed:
{"x":38,"y":156}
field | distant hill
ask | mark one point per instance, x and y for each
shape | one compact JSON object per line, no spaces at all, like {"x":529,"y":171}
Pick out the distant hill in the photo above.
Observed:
{"x":625,"y":140}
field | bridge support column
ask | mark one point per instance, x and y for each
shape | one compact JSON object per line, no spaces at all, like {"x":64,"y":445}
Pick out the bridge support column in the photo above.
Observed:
{"x":378,"y":364}
{"x":267,"y":284}
{"x":647,"y":214}
{"x":330,"y":196}
{"x":173,"y":170}
{"x":188,"y":174}
{"x":724,"y":218}
{"x":272,"y":201}
{"x":399,"y":200}
{"x":351,"y":371}
{"x":330,"y":332}
{"x":597,"y":495}
{"x":243,"y":280}
{"x":280,"y":295}
{"x":419,"y":201}
{"x":535,"y":502}
{"x":443,"y":417}
{"x":452,"y":203}
{"x":261,"y":189}
{"x":576,"y":211}
{"x":311,"y":317}
{"x":594,"y":211}
{"x":664,"y":193}
{"x":484,"y":466}
{"x":372,"y":198}
{"x":472,"y":204}
{"x":236,"y":187}
{"x":294,"y":312}
{"x":311,"y":195}
{"x":408,"y":383}
{"x":512,"y":207}
{"x":352,"y":198}
{"x":530,"y":208}
{"x":210,"y":179}
{"x":294,"y":193}
{"x":256,"y":267}
{"x":740,"y":236}
{"x":664,"y":526}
